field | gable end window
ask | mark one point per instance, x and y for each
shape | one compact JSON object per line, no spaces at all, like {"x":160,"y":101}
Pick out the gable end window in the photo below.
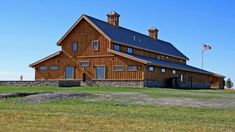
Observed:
{"x":163,"y":70}
{"x":95,"y":45}
{"x":74,"y":47}
{"x":131,"y":68}
{"x":84,"y":63}
{"x":130,"y":50}
{"x":117,"y":47}
{"x":54,"y":68}
{"x":151,"y":68}
{"x":43,"y":68}
{"x":118,"y":68}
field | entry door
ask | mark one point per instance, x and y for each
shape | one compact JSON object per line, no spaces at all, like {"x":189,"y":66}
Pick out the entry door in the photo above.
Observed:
{"x":100,"y":72}
{"x":69,"y":72}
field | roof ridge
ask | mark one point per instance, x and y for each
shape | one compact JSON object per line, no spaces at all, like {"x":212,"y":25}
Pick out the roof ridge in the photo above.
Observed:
{"x":128,"y":29}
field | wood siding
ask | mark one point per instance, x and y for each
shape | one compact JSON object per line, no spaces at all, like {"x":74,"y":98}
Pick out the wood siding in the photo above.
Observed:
{"x":151,"y":54}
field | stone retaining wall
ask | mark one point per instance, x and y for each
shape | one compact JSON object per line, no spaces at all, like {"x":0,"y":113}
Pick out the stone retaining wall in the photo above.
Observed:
{"x":66,"y":83}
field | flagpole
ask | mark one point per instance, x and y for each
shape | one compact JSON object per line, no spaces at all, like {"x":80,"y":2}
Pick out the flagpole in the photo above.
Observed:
{"x":202,"y":59}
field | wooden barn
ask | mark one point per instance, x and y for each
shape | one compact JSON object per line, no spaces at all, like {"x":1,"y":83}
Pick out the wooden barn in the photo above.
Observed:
{"x":102,"y":53}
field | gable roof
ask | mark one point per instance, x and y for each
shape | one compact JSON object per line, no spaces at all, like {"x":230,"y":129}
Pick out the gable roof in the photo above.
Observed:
{"x":120,"y":35}
{"x":44,"y":59}
{"x":162,"y":63}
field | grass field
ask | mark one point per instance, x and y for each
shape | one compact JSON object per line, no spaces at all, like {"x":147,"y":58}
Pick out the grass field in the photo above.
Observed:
{"x":91,"y":114}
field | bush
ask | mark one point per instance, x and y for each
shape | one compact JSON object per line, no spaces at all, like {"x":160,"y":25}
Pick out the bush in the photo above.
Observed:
{"x":229,"y":83}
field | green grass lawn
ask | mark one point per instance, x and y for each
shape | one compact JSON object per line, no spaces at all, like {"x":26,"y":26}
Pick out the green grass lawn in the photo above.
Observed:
{"x":83,"y":115}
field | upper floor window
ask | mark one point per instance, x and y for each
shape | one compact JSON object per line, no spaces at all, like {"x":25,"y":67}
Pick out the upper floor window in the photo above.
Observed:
{"x":54,"y":68}
{"x":151,"y":68}
{"x":43,"y":68}
{"x":117,"y":47}
{"x":163,"y":70}
{"x":130,"y":50}
{"x":84,"y":63}
{"x":118,"y":68}
{"x":95,"y":45}
{"x":74,"y":47}
{"x":131,"y":68}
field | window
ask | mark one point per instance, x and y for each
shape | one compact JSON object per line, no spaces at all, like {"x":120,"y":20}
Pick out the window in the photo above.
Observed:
{"x":132,"y":68}
{"x":117,"y":47}
{"x":100,"y":72}
{"x":158,"y":57}
{"x":54,"y":68}
{"x":130,"y":50}
{"x":163,"y":70}
{"x":95,"y":45}
{"x":84,"y":63}
{"x":151,"y":68}
{"x":43,"y":68}
{"x":118,"y":68}
{"x":74,"y":47}
{"x":181,"y":78}
{"x":174,"y":72}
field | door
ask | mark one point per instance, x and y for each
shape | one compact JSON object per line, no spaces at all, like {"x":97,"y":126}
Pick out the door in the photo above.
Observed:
{"x":100,"y":72}
{"x":69,"y":72}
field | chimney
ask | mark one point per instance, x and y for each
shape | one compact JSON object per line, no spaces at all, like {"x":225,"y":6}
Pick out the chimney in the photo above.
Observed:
{"x":113,"y":18}
{"x":153,"y":33}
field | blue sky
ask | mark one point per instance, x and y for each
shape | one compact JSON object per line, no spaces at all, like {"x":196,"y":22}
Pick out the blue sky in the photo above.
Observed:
{"x":29,"y":29}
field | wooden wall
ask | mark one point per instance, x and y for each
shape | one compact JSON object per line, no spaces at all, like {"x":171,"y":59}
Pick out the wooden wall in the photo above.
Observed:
{"x":151,"y":54}
{"x":159,"y":76}
{"x":109,"y":62}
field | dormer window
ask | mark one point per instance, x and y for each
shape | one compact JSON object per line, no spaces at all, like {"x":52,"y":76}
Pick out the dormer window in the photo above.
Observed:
{"x":117,"y":47}
{"x":130,"y":50}
{"x":74,"y":47}
{"x":95,"y":45}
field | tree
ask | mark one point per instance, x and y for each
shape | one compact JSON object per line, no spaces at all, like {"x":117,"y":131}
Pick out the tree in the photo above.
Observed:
{"x":229,"y":83}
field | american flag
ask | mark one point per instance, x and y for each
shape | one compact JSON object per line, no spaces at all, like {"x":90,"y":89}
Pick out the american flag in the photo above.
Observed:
{"x":206,"y":47}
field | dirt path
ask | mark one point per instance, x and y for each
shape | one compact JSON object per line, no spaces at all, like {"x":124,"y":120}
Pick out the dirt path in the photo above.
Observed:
{"x":130,"y":98}
{"x":144,"y":99}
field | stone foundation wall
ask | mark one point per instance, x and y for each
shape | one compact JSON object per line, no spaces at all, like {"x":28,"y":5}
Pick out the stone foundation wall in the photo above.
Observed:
{"x":194,"y":85}
{"x":40,"y":83}
{"x":108,"y":83}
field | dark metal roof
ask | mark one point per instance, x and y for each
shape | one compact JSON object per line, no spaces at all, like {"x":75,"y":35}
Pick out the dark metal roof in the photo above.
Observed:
{"x":132,"y":38}
{"x":172,"y":65}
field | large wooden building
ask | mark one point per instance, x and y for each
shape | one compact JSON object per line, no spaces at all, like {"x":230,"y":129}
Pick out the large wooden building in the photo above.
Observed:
{"x":102,"y":53}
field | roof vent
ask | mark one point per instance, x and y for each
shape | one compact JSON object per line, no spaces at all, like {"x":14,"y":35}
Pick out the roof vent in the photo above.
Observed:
{"x":153,"y":33}
{"x":113,"y":18}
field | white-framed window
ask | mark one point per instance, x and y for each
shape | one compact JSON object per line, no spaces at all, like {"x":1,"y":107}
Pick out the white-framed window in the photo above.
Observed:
{"x":54,"y":68}
{"x":117,"y":47}
{"x":151,"y":68}
{"x":84,"y":63}
{"x":174,"y":72}
{"x":95,"y":45}
{"x":181,"y":77}
{"x":43,"y":68}
{"x":131,"y":68}
{"x":158,"y":57}
{"x":163,"y":70}
{"x":129,"y":50}
{"x":118,"y":68}
{"x":75,"y":47}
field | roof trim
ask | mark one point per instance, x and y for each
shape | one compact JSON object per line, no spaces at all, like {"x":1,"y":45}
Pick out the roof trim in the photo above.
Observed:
{"x":44,"y":59}
{"x":148,"y":50}
{"x":129,"y":56}
{"x":76,"y":23}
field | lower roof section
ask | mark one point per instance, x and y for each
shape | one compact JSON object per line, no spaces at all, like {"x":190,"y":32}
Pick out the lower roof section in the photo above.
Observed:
{"x":162,"y":63}
{"x":44,"y":59}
